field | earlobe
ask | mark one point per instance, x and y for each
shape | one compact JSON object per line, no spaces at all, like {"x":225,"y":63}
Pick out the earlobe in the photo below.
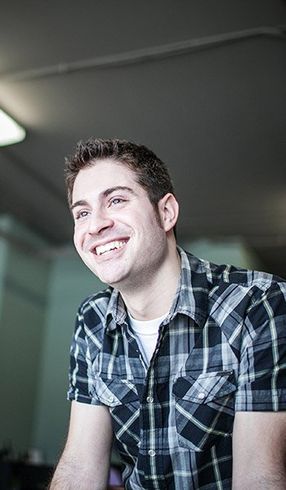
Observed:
{"x":169,"y":210}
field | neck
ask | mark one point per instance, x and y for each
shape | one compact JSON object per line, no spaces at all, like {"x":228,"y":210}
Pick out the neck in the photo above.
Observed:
{"x":155,"y":297}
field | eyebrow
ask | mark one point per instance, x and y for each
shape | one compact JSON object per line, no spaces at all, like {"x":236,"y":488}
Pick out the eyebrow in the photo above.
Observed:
{"x":78,"y":203}
{"x":109,"y":191}
{"x":105,"y":193}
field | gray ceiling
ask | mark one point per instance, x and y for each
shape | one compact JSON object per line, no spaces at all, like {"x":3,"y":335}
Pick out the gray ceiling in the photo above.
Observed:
{"x":202,"y":83}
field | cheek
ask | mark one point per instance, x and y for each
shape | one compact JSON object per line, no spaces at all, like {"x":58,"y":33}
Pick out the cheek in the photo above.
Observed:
{"x":77,"y":239}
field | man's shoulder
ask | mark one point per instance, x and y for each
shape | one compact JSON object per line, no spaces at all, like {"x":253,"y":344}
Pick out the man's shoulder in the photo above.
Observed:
{"x":226,"y":274}
{"x":235,"y":292}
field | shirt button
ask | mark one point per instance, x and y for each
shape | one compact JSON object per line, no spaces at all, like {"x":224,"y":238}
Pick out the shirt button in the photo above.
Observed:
{"x":149,"y":399}
{"x":110,"y":399}
{"x":201,"y":396}
{"x":151,"y":452}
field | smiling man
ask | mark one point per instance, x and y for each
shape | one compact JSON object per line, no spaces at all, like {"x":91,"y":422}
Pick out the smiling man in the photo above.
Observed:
{"x":119,"y":234}
{"x":182,"y":361}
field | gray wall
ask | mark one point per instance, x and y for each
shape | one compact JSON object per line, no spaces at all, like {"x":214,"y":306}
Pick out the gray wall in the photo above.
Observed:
{"x":70,"y":283}
{"x":24,"y":282}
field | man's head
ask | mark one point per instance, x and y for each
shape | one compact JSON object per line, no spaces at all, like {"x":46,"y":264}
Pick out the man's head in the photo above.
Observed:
{"x":124,"y":211}
{"x":151,"y":172}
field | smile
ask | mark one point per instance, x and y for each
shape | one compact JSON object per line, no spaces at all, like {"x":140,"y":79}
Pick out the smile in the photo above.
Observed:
{"x":107,"y":247}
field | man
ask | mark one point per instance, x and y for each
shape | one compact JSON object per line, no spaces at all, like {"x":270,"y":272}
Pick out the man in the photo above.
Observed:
{"x":181,"y":360}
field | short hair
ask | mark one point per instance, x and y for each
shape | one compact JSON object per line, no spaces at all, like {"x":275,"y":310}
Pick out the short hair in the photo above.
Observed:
{"x":152,"y":174}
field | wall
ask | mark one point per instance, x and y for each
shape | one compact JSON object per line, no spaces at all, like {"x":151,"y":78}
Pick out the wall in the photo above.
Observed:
{"x":23,"y":282}
{"x":4,"y":224}
{"x":70,"y":283}
{"x":232,"y":251}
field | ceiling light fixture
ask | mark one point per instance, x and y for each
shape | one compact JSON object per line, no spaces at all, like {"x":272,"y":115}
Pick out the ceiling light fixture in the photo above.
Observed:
{"x":10,"y":131}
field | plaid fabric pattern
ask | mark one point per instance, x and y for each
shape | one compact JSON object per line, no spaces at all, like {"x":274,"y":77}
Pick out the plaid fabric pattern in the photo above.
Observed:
{"x":221,"y":349}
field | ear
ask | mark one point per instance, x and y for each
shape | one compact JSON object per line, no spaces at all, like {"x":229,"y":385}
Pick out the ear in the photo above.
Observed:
{"x":168,"y":209}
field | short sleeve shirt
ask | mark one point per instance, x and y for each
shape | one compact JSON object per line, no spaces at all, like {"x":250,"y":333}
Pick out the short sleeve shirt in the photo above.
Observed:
{"x":221,"y":349}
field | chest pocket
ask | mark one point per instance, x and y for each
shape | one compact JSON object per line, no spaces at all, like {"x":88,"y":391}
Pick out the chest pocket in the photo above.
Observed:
{"x":115,"y":392}
{"x":121,"y":396}
{"x":204,"y":409}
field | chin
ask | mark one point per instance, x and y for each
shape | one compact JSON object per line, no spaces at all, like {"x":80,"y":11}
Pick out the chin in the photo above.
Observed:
{"x":117,"y":282}
{"x":107,"y":275}
{"x":110,"y":279}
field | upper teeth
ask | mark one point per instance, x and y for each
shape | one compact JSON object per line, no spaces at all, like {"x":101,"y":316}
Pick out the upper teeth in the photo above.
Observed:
{"x":101,"y":249}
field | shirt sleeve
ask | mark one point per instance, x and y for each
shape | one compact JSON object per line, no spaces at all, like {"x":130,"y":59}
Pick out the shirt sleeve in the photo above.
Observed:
{"x":81,"y":376}
{"x":262,"y":369}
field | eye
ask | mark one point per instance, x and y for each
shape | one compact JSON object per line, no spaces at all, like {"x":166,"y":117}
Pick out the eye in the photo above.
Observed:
{"x":116,"y":200}
{"x":81,"y":214}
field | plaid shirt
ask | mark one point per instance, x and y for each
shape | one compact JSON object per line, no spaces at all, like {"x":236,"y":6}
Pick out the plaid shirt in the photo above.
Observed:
{"x":221,"y":349}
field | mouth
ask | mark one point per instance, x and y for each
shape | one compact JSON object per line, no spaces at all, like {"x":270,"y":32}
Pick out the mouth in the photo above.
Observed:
{"x":108,"y":247}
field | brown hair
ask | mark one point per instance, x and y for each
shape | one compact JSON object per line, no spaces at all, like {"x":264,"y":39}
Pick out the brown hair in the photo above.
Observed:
{"x":152,"y":174}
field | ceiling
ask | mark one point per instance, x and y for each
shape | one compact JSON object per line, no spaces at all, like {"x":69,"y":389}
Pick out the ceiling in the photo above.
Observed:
{"x":202,"y":83}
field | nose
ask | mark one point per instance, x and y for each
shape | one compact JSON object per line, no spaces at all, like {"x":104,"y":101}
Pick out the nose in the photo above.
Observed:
{"x":98,"y":222}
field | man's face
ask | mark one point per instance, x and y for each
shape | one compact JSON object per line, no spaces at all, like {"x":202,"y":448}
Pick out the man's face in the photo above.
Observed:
{"x":117,"y":232}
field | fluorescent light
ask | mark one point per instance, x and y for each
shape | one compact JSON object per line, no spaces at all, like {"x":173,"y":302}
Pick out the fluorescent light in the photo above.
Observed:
{"x":10,"y":131}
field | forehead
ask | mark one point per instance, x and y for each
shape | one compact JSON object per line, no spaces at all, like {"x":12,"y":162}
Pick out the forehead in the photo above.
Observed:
{"x":104,"y":174}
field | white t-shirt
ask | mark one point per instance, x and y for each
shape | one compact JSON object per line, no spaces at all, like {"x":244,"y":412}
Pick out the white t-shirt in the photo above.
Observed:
{"x":146,"y":333}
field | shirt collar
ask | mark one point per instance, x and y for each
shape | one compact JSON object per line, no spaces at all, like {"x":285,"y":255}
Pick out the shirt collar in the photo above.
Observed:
{"x":116,"y":311}
{"x":191,"y":296}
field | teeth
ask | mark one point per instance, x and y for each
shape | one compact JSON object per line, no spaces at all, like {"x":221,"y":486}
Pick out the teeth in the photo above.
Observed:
{"x":101,"y":249}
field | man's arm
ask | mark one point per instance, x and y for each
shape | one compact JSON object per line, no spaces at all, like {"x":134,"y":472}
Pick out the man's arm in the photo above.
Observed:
{"x":84,"y":463}
{"x":259,"y":451}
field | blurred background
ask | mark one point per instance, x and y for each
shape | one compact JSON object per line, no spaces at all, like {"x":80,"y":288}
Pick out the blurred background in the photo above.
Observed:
{"x":203,"y":84}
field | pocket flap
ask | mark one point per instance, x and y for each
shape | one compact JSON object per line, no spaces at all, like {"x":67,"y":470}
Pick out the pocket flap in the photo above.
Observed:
{"x":116,"y":391}
{"x":205,"y":387}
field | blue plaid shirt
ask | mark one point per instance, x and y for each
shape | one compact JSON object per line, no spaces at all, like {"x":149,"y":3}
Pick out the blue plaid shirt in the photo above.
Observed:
{"x":221,"y":349}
